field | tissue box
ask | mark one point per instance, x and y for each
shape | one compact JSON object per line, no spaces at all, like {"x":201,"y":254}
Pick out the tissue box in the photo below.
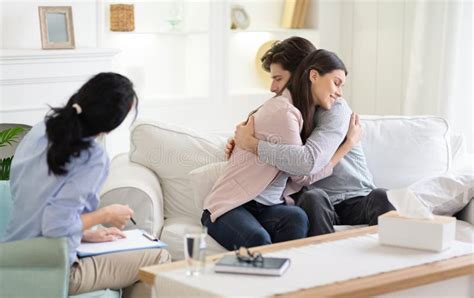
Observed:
{"x":435,"y":234}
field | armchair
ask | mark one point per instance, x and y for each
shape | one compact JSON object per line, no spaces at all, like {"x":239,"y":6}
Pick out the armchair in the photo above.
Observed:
{"x":35,"y":267}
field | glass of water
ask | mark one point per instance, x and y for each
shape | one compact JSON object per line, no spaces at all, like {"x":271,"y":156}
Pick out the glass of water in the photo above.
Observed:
{"x":195,"y":250}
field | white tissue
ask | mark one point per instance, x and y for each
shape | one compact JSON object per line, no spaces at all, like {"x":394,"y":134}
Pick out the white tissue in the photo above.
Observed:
{"x":407,"y":203}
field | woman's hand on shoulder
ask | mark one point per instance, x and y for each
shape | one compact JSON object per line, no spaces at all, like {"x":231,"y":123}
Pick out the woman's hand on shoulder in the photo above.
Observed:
{"x":354,"y":133}
{"x":102,"y":235}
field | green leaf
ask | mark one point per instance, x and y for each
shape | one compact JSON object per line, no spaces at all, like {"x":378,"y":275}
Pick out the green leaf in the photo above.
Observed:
{"x":5,"y":165}
{"x":10,"y":136}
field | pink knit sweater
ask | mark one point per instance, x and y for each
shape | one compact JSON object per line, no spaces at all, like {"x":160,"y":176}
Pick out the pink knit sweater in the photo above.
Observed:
{"x":245,"y":177}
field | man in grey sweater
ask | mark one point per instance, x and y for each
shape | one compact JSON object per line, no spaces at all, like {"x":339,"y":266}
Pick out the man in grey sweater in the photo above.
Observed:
{"x":348,"y":196}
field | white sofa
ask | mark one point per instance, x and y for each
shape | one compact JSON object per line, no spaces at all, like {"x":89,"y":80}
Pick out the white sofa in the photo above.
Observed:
{"x":153,"y":178}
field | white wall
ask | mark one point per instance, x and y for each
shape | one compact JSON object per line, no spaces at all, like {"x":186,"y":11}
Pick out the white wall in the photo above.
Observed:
{"x":376,"y":40}
{"x":170,"y":71}
{"x":202,"y":76}
{"x":19,"y":23}
{"x":32,"y":79}
{"x":372,"y":38}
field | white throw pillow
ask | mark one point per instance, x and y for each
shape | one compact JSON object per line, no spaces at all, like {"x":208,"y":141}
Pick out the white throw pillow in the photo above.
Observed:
{"x":442,"y":195}
{"x":172,"y":152}
{"x":203,"y":179}
{"x":401,"y":150}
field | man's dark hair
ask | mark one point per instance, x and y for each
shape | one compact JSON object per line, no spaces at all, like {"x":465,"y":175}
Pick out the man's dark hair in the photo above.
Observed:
{"x":288,"y":53}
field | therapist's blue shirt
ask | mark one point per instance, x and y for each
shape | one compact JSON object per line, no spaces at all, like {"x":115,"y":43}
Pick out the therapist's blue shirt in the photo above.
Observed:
{"x":48,"y":205}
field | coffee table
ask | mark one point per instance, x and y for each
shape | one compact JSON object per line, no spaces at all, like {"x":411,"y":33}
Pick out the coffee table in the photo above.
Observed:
{"x":460,"y":270}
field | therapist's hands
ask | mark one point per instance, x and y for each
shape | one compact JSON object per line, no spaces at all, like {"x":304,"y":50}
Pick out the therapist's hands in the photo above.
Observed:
{"x":102,"y":235}
{"x":244,"y":136}
{"x":117,"y":215}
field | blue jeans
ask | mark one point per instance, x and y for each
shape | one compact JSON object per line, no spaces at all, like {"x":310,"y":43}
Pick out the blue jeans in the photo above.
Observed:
{"x":254,"y":224}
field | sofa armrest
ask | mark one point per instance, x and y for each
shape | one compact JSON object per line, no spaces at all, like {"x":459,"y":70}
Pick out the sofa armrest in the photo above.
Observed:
{"x":134,"y":185}
{"x":467,"y":213}
{"x":21,"y":261}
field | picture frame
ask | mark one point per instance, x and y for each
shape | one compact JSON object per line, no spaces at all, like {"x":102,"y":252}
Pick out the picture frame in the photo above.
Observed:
{"x":57,"y":31}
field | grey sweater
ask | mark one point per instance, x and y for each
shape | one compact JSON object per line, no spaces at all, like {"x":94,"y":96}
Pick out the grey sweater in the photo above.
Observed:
{"x":351,"y":177}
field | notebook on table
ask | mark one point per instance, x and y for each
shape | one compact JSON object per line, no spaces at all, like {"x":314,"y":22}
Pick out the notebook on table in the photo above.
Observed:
{"x":136,"y":239}
{"x":268,"y":266}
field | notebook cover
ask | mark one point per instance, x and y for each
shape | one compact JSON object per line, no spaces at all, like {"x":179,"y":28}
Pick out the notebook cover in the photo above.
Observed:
{"x":135,"y":240}
{"x":269,"y":266}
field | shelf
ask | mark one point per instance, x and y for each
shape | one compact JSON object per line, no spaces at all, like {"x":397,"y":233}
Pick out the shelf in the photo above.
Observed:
{"x":177,"y":32}
{"x":275,"y":30}
{"x":38,"y":54}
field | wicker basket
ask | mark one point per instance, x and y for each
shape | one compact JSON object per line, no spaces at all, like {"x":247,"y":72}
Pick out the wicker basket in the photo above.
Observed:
{"x":122,"y":17}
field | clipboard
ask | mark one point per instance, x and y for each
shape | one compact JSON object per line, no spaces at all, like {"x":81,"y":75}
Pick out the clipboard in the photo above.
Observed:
{"x":135,"y":240}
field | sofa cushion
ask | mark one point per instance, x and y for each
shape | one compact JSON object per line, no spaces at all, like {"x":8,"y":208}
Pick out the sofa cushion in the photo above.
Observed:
{"x":446,"y":194}
{"x":172,"y":152}
{"x":401,"y":150}
{"x":203,"y":179}
{"x":464,"y":232}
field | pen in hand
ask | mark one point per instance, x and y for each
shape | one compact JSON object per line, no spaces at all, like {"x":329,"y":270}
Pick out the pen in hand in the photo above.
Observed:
{"x":133,"y":221}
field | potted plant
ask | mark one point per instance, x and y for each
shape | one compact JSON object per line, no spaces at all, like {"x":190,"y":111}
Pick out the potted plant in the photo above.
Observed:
{"x":8,"y":137}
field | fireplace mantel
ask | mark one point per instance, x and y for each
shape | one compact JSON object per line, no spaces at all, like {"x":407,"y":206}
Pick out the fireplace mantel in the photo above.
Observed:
{"x":28,"y":56}
{"x":30,"y":80}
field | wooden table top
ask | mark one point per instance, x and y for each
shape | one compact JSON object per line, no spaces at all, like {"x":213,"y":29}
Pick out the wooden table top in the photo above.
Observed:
{"x":366,"y":286}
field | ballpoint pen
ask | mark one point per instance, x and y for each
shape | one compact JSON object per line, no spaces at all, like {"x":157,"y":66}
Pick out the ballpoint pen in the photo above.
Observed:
{"x":149,"y":237}
{"x":145,"y":234}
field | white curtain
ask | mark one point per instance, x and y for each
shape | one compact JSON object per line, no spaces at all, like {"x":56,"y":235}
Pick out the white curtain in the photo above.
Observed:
{"x":439,"y":80}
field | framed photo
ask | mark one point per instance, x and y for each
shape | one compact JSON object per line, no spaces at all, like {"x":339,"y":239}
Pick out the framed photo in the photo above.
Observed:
{"x":56,"y":25}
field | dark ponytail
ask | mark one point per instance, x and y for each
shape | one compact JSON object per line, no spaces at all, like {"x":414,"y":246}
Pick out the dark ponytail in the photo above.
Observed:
{"x":323,"y":62}
{"x":99,"y":106}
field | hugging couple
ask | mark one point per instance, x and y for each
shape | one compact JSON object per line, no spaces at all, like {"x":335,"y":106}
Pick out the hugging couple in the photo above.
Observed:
{"x":296,"y":166}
